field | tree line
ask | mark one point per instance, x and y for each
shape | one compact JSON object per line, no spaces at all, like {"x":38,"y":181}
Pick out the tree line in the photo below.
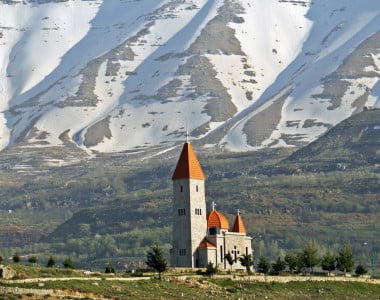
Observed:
{"x":303,"y":261}
{"x":307,"y":259}
{"x":295,"y":262}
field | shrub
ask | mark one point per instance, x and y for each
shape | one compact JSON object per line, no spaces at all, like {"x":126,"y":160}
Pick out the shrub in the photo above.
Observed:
{"x":360,"y":270}
{"x":32,"y":259}
{"x":68,"y":264}
{"x":16,"y":258}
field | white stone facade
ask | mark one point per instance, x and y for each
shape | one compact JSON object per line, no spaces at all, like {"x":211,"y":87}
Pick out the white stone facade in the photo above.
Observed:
{"x":189,"y":221}
{"x":200,"y":238}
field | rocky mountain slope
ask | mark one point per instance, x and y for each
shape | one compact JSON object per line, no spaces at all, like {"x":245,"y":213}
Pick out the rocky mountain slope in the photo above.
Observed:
{"x":113,"y":76}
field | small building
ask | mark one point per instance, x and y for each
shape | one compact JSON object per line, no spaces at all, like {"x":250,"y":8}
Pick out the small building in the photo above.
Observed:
{"x":200,"y":237}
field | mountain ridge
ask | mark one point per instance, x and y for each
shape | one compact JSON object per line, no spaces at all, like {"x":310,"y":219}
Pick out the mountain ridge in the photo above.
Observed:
{"x":135,"y":76}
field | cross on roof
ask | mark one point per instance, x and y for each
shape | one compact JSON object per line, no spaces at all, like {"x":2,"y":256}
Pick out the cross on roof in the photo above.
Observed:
{"x":213,"y":205}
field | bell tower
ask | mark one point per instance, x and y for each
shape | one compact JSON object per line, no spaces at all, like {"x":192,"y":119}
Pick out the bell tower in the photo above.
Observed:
{"x":189,"y":209}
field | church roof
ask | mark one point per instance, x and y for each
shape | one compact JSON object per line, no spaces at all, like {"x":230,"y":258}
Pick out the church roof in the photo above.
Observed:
{"x":239,"y":225}
{"x":217,"y":219}
{"x":188,"y":165}
{"x":206,"y":244}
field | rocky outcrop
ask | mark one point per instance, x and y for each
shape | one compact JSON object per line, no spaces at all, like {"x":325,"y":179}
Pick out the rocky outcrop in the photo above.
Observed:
{"x":7,"y":272}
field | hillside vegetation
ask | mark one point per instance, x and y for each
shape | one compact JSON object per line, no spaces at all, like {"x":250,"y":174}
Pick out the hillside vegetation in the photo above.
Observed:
{"x":116,"y":208}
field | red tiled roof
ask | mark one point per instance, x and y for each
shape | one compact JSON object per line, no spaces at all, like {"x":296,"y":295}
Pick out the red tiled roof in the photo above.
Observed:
{"x":239,"y":225}
{"x":188,"y":165}
{"x":206,"y":244}
{"x":217,"y":219}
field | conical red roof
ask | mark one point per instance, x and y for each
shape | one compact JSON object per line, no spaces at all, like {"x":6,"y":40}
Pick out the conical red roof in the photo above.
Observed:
{"x":188,"y":165}
{"x":239,"y":225}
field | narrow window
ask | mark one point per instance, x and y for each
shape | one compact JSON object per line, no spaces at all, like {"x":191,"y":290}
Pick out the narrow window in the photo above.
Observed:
{"x":196,"y":188}
{"x":181,"y":189}
{"x":246,"y":251}
{"x":221,"y":253}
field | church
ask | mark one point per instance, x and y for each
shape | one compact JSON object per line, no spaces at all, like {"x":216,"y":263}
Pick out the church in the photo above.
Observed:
{"x":200,"y":237}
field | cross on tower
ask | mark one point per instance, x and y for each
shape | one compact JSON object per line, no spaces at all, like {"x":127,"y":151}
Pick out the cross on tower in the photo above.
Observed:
{"x":213,"y":205}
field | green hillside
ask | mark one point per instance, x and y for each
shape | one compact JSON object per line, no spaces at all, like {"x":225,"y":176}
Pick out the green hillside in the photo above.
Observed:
{"x":117,"y":208}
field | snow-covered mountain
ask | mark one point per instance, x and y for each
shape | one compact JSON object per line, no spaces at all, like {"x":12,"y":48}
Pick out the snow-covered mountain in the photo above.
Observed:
{"x":118,"y":75}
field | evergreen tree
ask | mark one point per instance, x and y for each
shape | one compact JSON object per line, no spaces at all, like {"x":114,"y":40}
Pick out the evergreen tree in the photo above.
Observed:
{"x":156,"y":260}
{"x":291,"y":260}
{"x":300,"y":262}
{"x":211,"y":270}
{"x":246,"y":261}
{"x":229,"y":259}
{"x":345,"y":260}
{"x":328,"y":262}
{"x":360,"y":270}
{"x":51,"y":262}
{"x":279,"y":265}
{"x":109,"y":268}
{"x":310,"y":256}
{"x":68,"y":264}
{"x":263,"y":265}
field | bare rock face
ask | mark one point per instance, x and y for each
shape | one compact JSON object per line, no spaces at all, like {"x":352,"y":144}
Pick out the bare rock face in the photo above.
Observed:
{"x":7,"y":272}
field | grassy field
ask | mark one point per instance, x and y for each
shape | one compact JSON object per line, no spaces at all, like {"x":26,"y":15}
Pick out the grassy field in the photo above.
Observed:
{"x":191,"y":288}
{"x":52,"y":283}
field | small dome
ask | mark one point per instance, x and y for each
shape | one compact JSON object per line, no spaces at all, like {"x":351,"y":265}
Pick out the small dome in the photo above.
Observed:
{"x":217,"y":219}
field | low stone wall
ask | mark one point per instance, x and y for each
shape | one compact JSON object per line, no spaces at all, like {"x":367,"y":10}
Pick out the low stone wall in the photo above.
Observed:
{"x":292,"y":278}
{"x":56,"y":293}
